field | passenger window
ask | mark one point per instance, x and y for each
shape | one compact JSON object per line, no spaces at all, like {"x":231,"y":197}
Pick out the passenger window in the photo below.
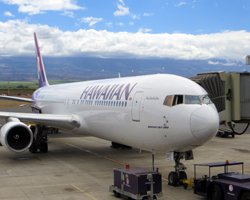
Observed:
{"x":168,"y":100}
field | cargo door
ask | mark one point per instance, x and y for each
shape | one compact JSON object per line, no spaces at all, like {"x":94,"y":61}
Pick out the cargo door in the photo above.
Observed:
{"x":136,"y":106}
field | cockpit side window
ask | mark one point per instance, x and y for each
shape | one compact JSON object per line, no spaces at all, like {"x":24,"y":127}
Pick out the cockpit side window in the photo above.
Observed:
{"x":168,"y":100}
{"x":172,"y":100}
{"x":178,"y":99}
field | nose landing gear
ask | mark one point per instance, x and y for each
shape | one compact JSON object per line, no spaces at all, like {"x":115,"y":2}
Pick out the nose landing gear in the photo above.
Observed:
{"x":178,"y":177}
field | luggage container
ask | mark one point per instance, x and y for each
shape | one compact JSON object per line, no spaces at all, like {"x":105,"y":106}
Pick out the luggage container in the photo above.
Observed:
{"x":137,"y":183}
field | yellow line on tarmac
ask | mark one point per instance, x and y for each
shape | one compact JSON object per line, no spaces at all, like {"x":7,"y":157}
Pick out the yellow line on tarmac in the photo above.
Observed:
{"x":96,"y":154}
{"x":164,"y":179}
{"x":82,"y":191}
{"x":104,"y":157}
{"x":115,"y":161}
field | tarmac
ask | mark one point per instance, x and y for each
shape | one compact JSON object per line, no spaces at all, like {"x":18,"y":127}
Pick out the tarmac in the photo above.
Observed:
{"x":82,"y":167}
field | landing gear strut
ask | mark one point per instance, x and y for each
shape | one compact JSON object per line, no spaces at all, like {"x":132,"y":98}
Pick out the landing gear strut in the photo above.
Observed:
{"x":175,"y":177}
{"x":40,"y":142}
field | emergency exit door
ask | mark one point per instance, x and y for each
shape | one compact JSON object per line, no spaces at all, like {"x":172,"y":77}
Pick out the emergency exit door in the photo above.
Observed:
{"x":136,"y":106}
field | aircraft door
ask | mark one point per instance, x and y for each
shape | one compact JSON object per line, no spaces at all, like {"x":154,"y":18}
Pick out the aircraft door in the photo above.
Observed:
{"x":136,"y":106}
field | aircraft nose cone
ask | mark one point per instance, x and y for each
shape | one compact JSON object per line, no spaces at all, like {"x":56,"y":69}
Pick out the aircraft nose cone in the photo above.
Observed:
{"x":204,"y":123}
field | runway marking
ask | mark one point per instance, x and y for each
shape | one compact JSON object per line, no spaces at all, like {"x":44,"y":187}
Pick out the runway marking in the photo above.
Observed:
{"x":104,"y":157}
{"x":55,"y":185}
{"x":43,"y":186}
{"x":82,"y":191}
{"x":96,"y":154}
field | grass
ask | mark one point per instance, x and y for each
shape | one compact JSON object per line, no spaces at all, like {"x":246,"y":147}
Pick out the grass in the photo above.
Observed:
{"x":25,"y":84}
{"x":21,"y":88}
{"x":18,"y":88}
{"x":10,"y":104}
{"x":18,"y":85}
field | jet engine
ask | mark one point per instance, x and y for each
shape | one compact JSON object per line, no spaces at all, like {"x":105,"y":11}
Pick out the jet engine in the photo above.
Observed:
{"x":16,"y":136}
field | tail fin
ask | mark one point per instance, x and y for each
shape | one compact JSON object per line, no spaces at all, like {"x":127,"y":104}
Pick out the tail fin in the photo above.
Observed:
{"x":42,"y":78}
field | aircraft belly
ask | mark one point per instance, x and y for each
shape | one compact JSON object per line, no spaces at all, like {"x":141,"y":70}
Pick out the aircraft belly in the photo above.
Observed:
{"x":120,"y":125}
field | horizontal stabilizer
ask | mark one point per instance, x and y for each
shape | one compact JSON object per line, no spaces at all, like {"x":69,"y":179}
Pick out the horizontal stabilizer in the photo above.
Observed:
{"x":16,"y":98}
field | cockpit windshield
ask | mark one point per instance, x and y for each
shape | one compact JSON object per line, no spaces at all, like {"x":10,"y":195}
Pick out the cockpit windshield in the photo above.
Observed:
{"x":206,"y":100}
{"x":172,"y":100}
{"x":191,"y":99}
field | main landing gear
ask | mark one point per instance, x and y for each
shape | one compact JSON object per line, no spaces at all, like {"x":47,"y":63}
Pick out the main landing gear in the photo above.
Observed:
{"x":40,"y":141}
{"x":177,"y":177}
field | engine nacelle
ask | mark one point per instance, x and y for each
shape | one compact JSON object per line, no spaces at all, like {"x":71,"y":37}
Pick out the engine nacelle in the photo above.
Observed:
{"x":16,"y":136}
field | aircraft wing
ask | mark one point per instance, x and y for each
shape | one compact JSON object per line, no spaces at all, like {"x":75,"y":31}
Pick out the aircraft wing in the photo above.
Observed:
{"x":59,"y":121}
{"x":16,"y":98}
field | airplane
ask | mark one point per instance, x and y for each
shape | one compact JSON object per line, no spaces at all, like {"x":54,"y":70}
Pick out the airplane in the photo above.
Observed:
{"x":156,"y":113}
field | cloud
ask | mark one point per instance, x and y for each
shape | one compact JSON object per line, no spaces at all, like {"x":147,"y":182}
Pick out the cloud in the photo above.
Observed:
{"x":144,"y":30}
{"x":109,"y":24}
{"x":131,"y":23}
{"x":91,"y":21}
{"x":181,"y":3}
{"x":120,"y":24}
{"x":16,"y":38}
{"x":148,"y":14}
{"x":33,"y":7}
{"x":69,"y":14}
{"x":135,"y":17}
{"x":8,"y":14}
{"x":122,"y":9}
{"x":224,"y":63}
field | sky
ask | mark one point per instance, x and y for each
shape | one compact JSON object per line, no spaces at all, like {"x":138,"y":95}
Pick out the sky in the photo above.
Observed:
{"x":179,"y":29}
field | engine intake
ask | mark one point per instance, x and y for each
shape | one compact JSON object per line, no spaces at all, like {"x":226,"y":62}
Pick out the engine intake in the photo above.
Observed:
{"x":16,"y":136}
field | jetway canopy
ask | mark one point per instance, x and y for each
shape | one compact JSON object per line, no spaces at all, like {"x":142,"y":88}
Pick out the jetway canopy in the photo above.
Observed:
{"x":230,"y":93}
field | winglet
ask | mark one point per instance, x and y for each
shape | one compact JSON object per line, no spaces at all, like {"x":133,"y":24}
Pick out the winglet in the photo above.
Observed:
{"x":42,"y":78}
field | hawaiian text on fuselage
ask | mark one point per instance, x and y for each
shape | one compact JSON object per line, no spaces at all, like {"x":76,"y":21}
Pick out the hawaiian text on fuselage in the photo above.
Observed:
{"x":108,"y":92}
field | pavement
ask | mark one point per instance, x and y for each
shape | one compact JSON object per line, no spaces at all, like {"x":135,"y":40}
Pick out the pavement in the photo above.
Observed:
{"x":81,"y":168}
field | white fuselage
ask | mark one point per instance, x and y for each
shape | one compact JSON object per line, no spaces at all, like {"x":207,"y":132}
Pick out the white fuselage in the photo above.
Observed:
{"x":131,"y":111}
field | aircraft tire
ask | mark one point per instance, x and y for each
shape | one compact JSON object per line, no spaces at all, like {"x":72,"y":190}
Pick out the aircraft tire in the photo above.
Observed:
{"x":173,"y":179}
{"x":182,"y":175}
{"x":44,"y":147}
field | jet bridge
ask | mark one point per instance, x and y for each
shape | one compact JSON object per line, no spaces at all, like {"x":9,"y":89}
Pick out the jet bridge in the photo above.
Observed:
{"x":231,"y":95}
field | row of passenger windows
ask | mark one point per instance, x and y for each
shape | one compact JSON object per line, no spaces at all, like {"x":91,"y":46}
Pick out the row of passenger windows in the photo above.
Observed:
{"x":101,"y":103}
{"x":172,"y":100}
{"x":111,"y":103}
